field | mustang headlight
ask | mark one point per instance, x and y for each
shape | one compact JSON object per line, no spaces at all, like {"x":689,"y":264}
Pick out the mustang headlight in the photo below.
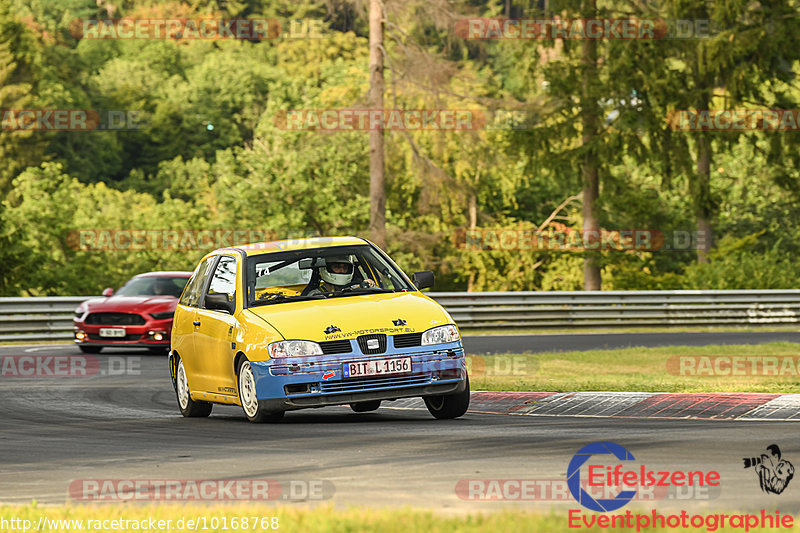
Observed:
{"x":293,"y":349}
{"x":440,"y":335}
{"x":162,"y":316}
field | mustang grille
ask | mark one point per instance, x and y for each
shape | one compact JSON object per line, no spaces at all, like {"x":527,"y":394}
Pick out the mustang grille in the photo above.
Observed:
{"x":115,"y":319}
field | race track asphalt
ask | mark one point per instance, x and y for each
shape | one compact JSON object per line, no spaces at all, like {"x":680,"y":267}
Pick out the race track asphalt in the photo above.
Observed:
{"x":123,"y":423}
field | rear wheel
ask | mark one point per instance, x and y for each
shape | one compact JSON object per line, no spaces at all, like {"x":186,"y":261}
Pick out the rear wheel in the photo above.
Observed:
{"x":448,"y":406}
{"x":89,"y":349}
{"x":365,"y":407}
{"x":188,"y":407}
{"x":247,"y":396}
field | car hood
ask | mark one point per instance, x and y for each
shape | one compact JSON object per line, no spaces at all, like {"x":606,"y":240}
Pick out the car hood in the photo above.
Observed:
{"x":130,"y":304}
{"x":354,"y":316}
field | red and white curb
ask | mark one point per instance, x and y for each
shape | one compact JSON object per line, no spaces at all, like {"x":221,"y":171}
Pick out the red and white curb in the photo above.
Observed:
{"x":701,"y":406}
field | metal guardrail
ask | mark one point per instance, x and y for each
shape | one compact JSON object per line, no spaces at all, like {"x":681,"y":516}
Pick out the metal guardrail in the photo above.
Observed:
{"x":586,"y":309}
{"x":50,"y":318}
{"x":35,"y":319}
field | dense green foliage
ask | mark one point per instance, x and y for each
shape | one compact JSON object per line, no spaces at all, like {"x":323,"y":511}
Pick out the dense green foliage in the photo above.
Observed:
{"x":211,"y":151}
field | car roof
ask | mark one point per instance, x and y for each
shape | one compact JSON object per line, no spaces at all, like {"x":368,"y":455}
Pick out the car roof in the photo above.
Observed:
{"x":165,"y":274}
{"x":297,"y":244}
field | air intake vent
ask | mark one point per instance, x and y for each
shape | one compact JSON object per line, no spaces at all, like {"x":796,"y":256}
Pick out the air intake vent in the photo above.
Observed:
{"x":115,"y":319}
{"x":407,"y":340}
{"x":371,"y":344}
{"x":334,"y":347}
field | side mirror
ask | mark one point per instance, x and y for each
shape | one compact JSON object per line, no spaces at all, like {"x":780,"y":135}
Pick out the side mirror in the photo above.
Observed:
{"x":219,"y":302}
{"x":108,"y":292}
{"x":422,"y":280}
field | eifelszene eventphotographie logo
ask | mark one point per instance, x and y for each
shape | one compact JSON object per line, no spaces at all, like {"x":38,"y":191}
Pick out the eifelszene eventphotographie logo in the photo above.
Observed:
{"x":774,"y":472}
{"x":625,"y":478}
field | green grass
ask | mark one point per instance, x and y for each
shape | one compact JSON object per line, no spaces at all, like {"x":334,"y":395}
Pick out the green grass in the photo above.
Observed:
{"x":630,"y":369}
{"x":302,"y":520}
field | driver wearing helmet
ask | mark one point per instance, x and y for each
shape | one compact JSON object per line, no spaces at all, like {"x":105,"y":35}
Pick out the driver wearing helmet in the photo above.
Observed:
{"x":337,"y":274}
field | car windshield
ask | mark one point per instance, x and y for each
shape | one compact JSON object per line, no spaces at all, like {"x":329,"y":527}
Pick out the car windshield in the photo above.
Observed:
{"x":320,"y":273}
{"x":154,"y":286}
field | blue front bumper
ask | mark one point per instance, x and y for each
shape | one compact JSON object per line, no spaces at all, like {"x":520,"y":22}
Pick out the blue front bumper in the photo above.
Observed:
{"x":299,"y":382}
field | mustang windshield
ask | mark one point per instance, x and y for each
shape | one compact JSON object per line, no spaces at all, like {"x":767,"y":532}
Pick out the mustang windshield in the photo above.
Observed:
{"x":153,"y":286}
{"x":291,"y":276}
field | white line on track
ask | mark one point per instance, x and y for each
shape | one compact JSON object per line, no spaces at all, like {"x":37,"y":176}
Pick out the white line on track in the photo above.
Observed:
{"x":48,"y":347}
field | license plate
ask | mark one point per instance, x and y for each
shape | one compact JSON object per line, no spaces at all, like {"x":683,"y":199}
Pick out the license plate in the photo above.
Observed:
{"x":112,"y":332}
{"x":378,"y":367}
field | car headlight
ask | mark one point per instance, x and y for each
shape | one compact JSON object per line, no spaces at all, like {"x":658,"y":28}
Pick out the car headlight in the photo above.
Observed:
{"x":440,"y":335}
{"x":162,"y":316}
{"x":293,"y":349}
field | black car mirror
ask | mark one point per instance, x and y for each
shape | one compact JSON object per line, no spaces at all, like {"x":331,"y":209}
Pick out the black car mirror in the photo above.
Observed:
{"x":219,"y":302}
{"x":422,"y":280}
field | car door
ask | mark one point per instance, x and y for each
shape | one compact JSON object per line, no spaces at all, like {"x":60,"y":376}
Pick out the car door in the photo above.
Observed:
{"x":182,"y":339}
{"x":214,"y":333}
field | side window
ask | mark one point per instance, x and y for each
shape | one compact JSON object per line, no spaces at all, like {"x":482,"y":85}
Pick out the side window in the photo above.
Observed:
{"x":380,"y":274}
{"x":194,"y":288}
{"x":224,"y":280}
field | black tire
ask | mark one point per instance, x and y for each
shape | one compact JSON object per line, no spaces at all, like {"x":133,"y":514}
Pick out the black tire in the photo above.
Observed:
{"x":159,"y":350}
{"x":89,"y":349}
{"x":448,"y":406}
{"x":365,"y":407}
{"x":252,"y":408}
{"x":189,"y":408}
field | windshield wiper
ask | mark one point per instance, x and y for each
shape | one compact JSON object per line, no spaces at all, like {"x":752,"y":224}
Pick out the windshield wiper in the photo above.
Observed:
{"x":274,"y":298}
{"x":359,"y":290}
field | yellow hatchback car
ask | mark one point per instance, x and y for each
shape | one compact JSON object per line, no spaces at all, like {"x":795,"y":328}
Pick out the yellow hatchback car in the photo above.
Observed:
{"x":288,"y":325}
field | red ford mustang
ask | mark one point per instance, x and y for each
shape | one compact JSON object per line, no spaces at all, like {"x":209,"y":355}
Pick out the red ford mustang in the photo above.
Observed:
{"x":139,"y":315}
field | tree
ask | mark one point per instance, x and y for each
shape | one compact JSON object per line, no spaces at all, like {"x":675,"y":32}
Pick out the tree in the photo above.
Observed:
{"x":590,"y":117}
{"x":18,"y":55}
{"x":377,"y":167}
{"x":740,"y":61}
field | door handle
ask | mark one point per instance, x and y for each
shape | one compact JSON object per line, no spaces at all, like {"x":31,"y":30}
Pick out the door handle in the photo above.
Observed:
{"x":196,"y":323}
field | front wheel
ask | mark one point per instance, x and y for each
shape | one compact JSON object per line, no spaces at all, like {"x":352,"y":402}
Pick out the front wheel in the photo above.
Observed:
{"x":189,"y":407}
{"x":247,"y":396}
{"x":448,"y":406}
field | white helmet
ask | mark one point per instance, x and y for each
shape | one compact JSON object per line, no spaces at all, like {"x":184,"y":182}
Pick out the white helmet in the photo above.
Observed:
{"x":335,"y":278}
